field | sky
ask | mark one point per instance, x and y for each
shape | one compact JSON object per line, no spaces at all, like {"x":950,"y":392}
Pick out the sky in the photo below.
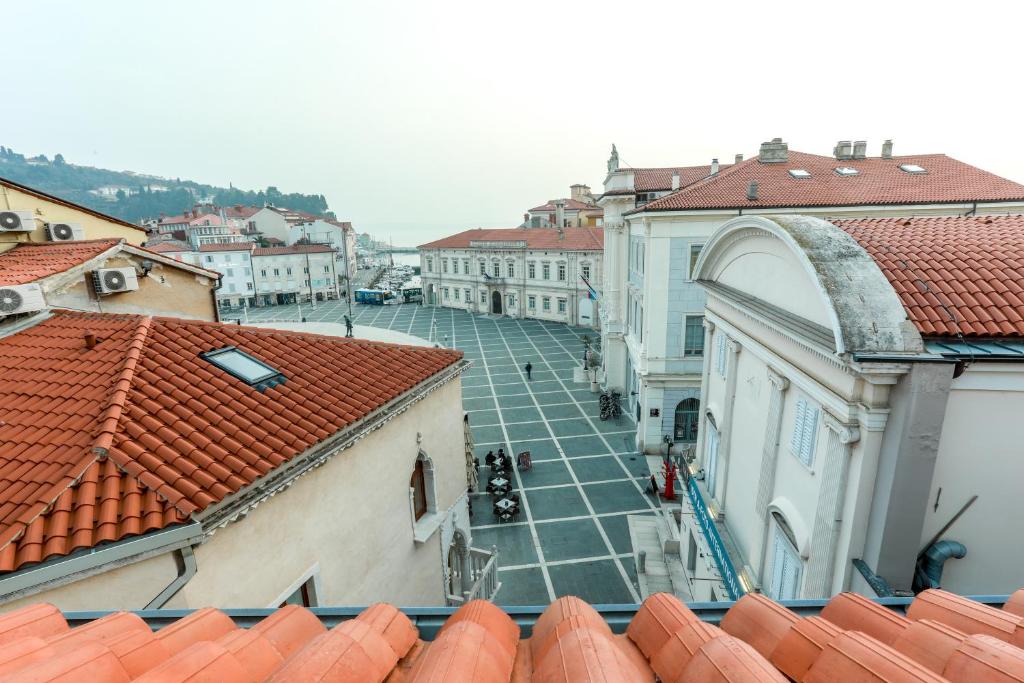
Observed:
{"x":420,"y":119}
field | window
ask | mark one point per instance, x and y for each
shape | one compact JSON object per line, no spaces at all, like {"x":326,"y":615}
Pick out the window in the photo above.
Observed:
{"x":846,"y":170}
{"x":242,"y":366}
{"x":686,"y":420}
{"x":510,"y":269}
{"x":230,"y":272}
{"x":545,"y":271}
{"x":227,"y":258}
{"x":531,"y":270}
{"x":531,"y":303}
{"x":711,"y":459}
{"x":695,"y":250}
{"x":457,"y":294}
{"x":288,"y":271}
{"x":912,"y":168}
{"x":483,"y":296}
{"x":231,"y":288}
{"x":561,"y":272}
{"x":444,"y":265}
{"x":455,"y":266}
{"x":209,"y":259}
{"x":263,"y":272}
{"x":483,"y":268}
{"x":693,"y":336}
{"x":465,"y":266}
{"x":430,"y":265}
{"x":305,"y":270}
{"x":469,"y":296}
{"x":546,"y":303}
{"x":585,"y":270}
{"x":445,"y":292}
{"x":720,"y":361}
{"x":327,"y":269}
{"x":423,"y":499}
{"x":561,"y":305}
{"x":805,"y":431}
{"x":786,"y":565}
{"x":418,"y":484}
{"x":277,"y":272}
{"x":248,"y":285}
{"x":511,"y":299}
{"x":799,"y":173}
{"x":496,"y":269}
{"x":304,"y":595}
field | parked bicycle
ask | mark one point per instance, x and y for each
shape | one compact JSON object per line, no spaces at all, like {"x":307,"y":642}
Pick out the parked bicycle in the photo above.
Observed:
{"x":610,"y":405}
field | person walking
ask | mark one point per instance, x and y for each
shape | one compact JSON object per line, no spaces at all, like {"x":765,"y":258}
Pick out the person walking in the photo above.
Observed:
{"x":348,"y":327}
{"x":529,"y":369}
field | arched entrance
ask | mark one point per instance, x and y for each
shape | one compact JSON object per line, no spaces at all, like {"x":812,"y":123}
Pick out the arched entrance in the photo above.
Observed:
{"x":496,"y":302}
{"x":686,"y":420}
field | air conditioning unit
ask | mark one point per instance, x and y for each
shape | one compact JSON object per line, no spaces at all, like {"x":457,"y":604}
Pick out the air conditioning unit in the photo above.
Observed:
{"x":114,"y":280}
{"x":17,"y":221}
{"x":16,"y":299}
{"x":64,"y":232}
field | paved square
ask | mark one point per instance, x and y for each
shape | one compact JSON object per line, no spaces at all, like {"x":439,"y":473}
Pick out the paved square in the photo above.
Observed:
{"x":571,"y":537}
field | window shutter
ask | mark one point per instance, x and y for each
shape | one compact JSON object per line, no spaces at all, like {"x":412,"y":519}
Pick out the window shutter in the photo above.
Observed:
{"x":810,"y":432}
{"x":721,"y":354}
{"x":796,"y":442}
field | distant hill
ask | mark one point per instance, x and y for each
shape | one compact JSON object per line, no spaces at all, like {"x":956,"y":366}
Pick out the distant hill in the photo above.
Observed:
{"x":134,"y":196}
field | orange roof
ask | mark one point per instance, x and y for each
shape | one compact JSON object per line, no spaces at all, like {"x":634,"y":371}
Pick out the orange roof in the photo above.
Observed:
{"x":943,"y":638}
{"x":878,"y":181}
{"x":575,"y":239}
{"x":294,"y":249}
{"x":168,"y":247}
{"x":660,"y":179}
{"x":140,"y":432}
{"x":31,"y":261}
{"x":228,"y":246}
{"x":955,"y":275}
{"x":570,"y":205}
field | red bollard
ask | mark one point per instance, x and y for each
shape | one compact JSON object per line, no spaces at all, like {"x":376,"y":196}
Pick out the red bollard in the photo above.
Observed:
{"x":670,"y":481}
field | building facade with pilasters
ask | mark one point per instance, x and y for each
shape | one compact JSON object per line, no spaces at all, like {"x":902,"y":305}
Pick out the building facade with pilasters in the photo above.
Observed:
{"x":857,"y":408}
{"x":651,"y":308}
{"x":540,"y":273}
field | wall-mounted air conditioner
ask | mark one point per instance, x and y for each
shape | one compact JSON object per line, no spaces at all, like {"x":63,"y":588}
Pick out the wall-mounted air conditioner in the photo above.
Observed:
{"x":64,"y":232}
{"x":17,"y":221}
{"x":16,"y":299}
{"x":114,"y":280}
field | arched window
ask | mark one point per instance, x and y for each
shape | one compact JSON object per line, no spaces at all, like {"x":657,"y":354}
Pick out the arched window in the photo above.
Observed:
{"x":421,"y":486}
{"x":687,"y":419}
{"x":786,"y":567}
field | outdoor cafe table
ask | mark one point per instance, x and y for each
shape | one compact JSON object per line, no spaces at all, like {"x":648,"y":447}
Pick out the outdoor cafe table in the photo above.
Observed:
{"x":505,"y":504}
{"x":499,"y":482}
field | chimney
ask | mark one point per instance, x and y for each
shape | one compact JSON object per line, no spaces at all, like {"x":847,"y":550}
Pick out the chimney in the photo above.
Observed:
{"x":774,"y":152}
{"x":752,"y":191}
{"x":526,"y":220}
{"x":714,"y":167}
{"x":887,"y":149}
{"x":843,"y":150}
{"x":675,"y":180}
{"x":739,"y":158}
{"x":860,"y":149}
{"x":560,"y":214}
{"x":90,"y":340}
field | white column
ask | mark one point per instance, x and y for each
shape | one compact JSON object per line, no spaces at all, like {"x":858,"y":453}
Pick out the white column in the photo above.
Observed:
{"x":709,"y":331}
{"x":732,"y":363}
{"x":835,"y":464}
{"x":770,"y":449}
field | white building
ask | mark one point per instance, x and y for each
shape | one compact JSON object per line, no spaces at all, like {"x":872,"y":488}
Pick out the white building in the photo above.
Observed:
{"x":287,"y":275}
{"x":578,"y":210}
{"x":273,"y":222}
{"x":234,"y":263}
{"x":651,"y":308}
{"x":862,"y":400}
{"x":519,"y":272}
{"x":338,"y":235}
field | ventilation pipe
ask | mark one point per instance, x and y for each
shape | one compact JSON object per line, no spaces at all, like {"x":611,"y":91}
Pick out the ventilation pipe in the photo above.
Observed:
{"x":714,"y":167}
{"x":929,"y":565}
{"x":752,"y":191}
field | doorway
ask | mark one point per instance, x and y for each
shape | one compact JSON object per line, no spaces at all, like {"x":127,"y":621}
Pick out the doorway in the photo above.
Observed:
{"x":496,"y":302}
{"x":686,"y":420}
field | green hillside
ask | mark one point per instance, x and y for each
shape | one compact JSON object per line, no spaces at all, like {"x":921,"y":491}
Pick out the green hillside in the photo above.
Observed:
{"x":133,"y":196}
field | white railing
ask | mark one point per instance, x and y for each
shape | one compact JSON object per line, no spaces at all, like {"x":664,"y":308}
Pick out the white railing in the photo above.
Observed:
{"x":483,"y":566}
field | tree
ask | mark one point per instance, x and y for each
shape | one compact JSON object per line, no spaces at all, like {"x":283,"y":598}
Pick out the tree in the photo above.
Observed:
{"x":58,"y":159}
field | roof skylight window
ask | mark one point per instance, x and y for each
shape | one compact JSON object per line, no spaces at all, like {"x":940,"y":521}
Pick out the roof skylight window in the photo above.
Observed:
{"x":799,"y":173}
{"x":242,"y":366}
{"x":847,"y":170}
{"x":912,"y":168}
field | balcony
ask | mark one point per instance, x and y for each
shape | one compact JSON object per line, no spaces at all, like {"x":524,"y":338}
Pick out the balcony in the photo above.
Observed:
{"x":482,"y":578}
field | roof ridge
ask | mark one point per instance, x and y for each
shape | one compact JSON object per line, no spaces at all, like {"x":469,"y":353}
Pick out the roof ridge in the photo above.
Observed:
{"x":111,"y":415}
{"x":70,"y":243}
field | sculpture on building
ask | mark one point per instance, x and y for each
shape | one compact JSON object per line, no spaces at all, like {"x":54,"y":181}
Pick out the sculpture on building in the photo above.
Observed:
{"x":613,"y":160}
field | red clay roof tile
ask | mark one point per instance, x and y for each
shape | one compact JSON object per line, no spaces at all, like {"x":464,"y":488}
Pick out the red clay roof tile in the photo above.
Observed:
{"x":85,"y":458}
{"x":572,"y":239}
{"x":31,"y":261}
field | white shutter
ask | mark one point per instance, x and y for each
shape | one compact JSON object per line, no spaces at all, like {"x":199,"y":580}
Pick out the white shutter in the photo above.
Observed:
{"x":778,"y":565}
{"x":786,"y":569}
{"x":721,"y":354}
{"x":810,"y":429}
{"x":799,"y":417}
{"x":712,"y":460}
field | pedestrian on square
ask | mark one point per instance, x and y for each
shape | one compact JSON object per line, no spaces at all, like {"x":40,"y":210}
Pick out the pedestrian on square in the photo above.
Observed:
{"x":529,"y":369}
{"x":348,"y":327}
{"x":653,"y":488}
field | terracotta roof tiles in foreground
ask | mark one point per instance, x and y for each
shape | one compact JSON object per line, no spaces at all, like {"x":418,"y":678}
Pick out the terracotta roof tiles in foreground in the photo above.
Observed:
{"x":30,"y":261}
{"x":878,"y":181}
{"x":955,"y":275}
{"x":942,"y":637}
{"x":139,"y":432}
{"x":573,"y":239}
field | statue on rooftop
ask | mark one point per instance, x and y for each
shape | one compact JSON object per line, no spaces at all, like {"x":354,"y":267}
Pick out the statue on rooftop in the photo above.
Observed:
{"x":613,"y":160}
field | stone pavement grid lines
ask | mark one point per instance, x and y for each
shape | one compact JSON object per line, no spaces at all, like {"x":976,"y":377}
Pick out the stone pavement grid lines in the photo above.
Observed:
{"x":572,"y":536}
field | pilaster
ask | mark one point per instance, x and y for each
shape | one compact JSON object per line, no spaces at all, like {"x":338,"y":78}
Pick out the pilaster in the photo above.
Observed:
{"x":839,"y":440}
{"x":770,"y":449}
{"x":732,"y":361}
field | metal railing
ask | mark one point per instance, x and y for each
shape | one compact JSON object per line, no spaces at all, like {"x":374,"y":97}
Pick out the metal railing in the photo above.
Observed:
{"x":483,"y":567}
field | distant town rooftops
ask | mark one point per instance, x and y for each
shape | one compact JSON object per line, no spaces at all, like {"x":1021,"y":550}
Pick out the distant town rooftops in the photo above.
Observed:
{"x":169,"y":247}
{"x":784,"y":178}
{"x":551,"y":239}
{"x":294,"y":249}
{"x":956,"y":275}
{"x":126,"y":424}
{"x":570,"y":205}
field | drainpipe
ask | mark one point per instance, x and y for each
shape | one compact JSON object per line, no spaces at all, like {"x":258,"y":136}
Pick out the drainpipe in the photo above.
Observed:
{"x":930,"y":564}
{"x":187,"y":568}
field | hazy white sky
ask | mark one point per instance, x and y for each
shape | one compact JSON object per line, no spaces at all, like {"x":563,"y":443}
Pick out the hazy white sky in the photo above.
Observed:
{"x":423,"y":118}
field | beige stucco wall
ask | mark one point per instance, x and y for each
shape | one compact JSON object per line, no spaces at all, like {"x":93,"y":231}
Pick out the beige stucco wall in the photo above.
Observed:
{"x":980,"y":454}
{"x":166,"y":291}
{"x":351,"y":518}
{"x":47,"y":211}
